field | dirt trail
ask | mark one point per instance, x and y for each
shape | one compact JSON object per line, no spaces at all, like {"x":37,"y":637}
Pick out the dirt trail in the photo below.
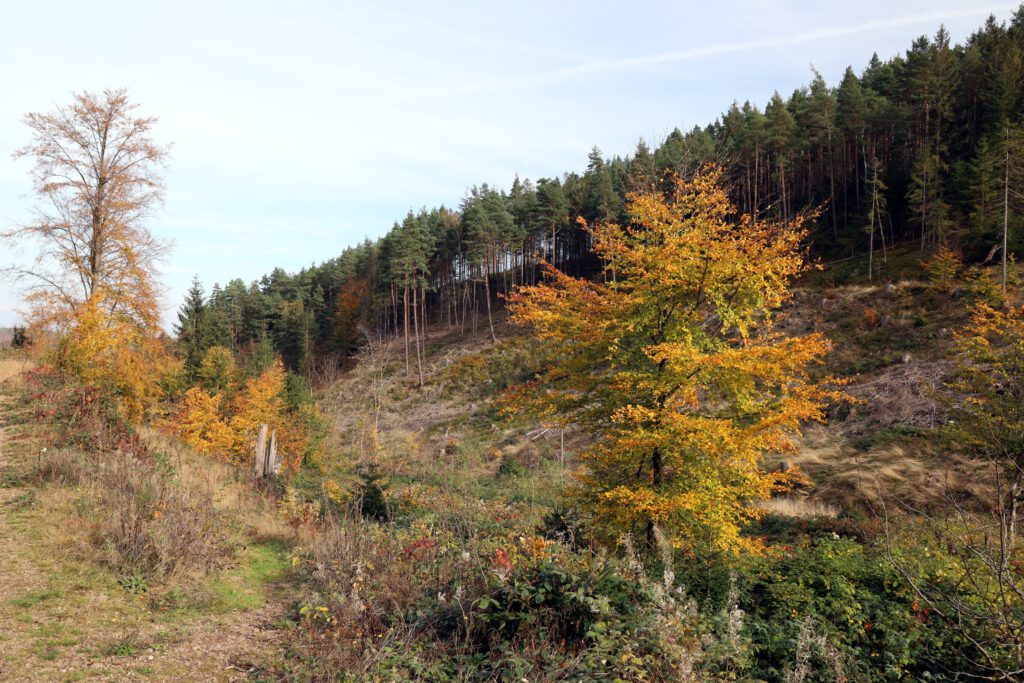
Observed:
{"x":62,"y":619}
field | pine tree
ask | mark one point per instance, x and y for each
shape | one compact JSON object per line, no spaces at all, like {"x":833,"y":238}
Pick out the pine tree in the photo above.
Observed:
{"x":779,"y":128}
{"x":192,"y":329}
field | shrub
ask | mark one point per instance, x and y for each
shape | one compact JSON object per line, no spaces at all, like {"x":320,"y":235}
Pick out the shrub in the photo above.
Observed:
{"x":19,"y":338}
{"x":78,"y":416}
{"x":215,"y":426}
{"x":60,"y":466}
{"x":144,"y":525}
{"x":386,"y":603}
{"x":510,"y":467}
{"x":370,"y":498}
{"x":115,"y":352}
{"x":857,"y":606}
{"x":943,"y":267}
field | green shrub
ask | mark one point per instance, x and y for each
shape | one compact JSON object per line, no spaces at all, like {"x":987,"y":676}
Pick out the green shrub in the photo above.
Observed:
{"x":867,"y":617}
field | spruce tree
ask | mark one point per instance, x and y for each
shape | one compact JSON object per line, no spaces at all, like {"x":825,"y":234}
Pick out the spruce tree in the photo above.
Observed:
{"x":192,"y":329}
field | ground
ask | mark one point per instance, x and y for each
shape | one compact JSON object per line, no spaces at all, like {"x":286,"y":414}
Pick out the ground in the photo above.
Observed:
{"x":62,"y":618}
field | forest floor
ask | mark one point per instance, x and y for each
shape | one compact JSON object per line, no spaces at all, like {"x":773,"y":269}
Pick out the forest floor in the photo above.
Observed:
{"x":65,"y":618}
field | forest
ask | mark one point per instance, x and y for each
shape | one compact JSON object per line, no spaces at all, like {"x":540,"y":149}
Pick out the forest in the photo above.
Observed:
{"x":918,"y":149}
{"x":744,"y":405}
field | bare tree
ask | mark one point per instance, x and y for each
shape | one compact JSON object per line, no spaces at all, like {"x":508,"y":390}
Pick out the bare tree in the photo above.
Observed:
{"x":97,"y":176}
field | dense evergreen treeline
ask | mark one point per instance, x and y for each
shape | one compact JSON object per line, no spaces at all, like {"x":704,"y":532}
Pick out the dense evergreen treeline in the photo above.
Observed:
{"x":926,"y":146}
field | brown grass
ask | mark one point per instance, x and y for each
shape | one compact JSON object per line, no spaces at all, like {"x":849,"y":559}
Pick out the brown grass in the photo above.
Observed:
{"x":145,"y":524}
{"x":228,"y":487}
{"x":847,"y":478}
{"x":11,"y":367}
{"x":801,"y":507}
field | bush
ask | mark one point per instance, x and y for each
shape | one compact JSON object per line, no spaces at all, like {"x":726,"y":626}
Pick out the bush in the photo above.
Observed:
{"x":60,"y":466}
{"x":370,"y":498}
{"x":833,"y":603}
{"x":385,"y":603}
{"x":78,"y":416}
{"x":144,"y":525}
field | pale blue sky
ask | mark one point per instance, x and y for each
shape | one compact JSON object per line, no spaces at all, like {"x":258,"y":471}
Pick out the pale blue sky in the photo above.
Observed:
{"x":300,"y":128}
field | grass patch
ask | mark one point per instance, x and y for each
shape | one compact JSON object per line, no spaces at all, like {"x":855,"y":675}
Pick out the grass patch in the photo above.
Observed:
{"x":246,"y":586}
{"x":34,"y":598}
{"x":887,"y":436}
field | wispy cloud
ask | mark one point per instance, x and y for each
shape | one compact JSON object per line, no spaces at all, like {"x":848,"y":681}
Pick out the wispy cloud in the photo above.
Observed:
{"x":930,"y":19}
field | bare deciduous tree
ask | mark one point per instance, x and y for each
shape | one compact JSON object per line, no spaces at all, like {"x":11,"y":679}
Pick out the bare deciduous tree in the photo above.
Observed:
{"x":97,"y":176}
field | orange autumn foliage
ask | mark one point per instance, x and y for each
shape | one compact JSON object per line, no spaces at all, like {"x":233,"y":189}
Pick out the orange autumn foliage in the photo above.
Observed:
{"x":227,"y":428}
{"x":672,"y":359}
{"x":349,"y":310}
{"x":113,"y":352}
{"x":91,"y":290}
{"x":200,"y":423}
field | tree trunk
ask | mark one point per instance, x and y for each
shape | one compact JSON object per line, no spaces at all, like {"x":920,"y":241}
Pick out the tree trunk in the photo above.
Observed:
{"x":405,"y":327}
{"x":416,"y":332}
{"x":1006,"y":205}
{"x":487,"y":296}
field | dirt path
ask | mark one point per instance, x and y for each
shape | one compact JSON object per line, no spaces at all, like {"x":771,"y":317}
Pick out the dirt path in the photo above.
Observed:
{"x":64,"y":619}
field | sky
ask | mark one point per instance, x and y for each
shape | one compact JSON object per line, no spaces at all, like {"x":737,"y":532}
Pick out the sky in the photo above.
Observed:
{"x":301,"y":127}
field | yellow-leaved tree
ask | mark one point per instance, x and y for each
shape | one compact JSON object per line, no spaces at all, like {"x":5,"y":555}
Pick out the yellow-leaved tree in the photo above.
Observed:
{"x":110,"y":350}
{"x":258,"y":401}
{"x":200,"y":423}
{"x":672,"y":360}
{"x":227,"y":428}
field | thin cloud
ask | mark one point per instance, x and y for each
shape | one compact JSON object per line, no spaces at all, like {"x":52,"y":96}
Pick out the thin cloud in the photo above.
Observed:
{"x":697,"y":53}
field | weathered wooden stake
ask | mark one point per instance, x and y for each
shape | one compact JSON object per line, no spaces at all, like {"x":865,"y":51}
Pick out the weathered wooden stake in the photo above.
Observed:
{"x":272,"y":463}
{"x":265,"y":456}
{"x":260,"y":450}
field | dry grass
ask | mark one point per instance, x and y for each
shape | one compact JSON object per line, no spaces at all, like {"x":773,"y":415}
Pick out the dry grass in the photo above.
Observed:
{"x":101,"y":579}
{"x":846,"y":477}
{"x":801,"y":507}
{"x":904,"y":395}
{"x":11,"y":367}
{"x":144,"y":524}
{"x":228,"y":487}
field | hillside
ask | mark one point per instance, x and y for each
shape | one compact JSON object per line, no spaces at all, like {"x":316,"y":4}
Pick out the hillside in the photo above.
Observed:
{"x":744,"y":405}
{"x":893,"y":364}
{"x":427,"y":469}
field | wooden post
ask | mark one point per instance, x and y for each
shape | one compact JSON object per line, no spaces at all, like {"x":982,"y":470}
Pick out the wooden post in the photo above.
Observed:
{"x":272,"y":462}
{"x":260,"y":450}
{"x":265,"y":455}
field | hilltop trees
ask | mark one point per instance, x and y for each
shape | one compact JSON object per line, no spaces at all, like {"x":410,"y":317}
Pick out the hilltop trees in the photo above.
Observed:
{"x":675,"y":364}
